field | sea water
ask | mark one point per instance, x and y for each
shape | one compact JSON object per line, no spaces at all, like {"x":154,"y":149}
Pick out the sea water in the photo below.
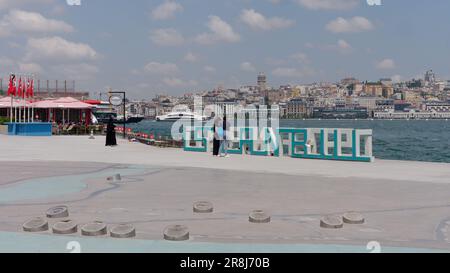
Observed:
{"x":416,"y":140}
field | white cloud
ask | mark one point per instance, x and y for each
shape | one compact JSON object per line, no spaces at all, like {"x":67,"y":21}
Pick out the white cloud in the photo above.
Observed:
{"x":57,"y":48}
{"x":259,"y":22}
{"x":328,"y":4}
{"x":166,"y":10}
{"x":209,"y":69}
{"x":342,"y":44}
{"x":248,"y":67}
{"x":178,"y":83}
{"x":355,"y":24}
{"x":167,"y":37}
{"x":190,"y":57}
{"x":386,"y":64}
{"x":342,"y":47}
{"x":23,"y":21}
{"x":161,"y":68}
{"x":220,"y":31}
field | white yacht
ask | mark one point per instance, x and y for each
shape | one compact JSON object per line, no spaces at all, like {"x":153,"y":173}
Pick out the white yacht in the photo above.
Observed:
{"x":175,"y":116}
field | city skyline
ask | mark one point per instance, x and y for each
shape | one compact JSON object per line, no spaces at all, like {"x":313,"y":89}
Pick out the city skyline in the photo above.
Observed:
{"x":175,"y":47}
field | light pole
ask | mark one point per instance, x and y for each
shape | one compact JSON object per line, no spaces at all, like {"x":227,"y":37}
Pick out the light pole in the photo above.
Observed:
{"x":113,"y":100}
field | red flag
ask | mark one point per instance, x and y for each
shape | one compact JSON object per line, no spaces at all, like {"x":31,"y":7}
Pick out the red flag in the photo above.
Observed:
{"x":24,"y":88}
{"x":29,"y":91}
{"x":12,"y":85}
{"x":32,"y":88}
{"x":20,"y":89}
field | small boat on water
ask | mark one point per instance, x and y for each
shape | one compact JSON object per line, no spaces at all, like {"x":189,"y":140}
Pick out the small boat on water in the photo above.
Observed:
{"x":102,"y":111}
{"x":129,"y":119}
{"x":175,"y":116}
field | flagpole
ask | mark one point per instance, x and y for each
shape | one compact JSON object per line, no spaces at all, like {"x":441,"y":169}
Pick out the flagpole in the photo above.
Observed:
{"x":10,"y":86}
{"x":32,"y":99}
{"x":27,"y":120}
{"x":28,"y":106}
{"x":11,"y":110}
{"x":15,"y":110}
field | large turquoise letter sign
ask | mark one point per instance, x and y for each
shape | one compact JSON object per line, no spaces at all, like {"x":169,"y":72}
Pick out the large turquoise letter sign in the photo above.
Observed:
{"x":311,"y":143}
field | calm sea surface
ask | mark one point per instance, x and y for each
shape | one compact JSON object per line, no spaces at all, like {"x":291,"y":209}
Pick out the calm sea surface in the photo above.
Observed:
{"x":417,"y":140}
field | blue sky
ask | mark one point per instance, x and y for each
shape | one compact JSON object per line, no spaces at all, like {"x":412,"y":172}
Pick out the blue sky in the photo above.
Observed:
{"x":151,"y":47}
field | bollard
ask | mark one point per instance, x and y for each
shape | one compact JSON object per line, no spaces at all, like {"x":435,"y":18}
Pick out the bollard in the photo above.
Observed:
{"x":331,"y":222}
{"x":92,"y":135}
{"x":353,"y":218}
{"x":176,"y":233}
{"x":35,"y":225}
{"x":94,"y":229}
{"x":123,"y":231}
{"x":65,"y":227}
{"x":259,"y":217}
{"x":58,"y":212}
{"x":203,"y":207}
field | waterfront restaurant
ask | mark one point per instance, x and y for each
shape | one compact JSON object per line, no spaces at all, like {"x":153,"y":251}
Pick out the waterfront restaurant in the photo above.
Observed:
{"x":5,"y":105}
{"x":61,"y":111}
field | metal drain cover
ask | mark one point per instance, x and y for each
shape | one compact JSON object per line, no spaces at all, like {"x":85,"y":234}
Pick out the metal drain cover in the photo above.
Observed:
{"x":354,"y":218}
{"x":203,"y":207}
{"x":331,"y":221}
{"x":94,"y":229}
{"x":115,"y":178}
{"x":123,"y":231}
{"x":176,"y":233}
{"x":58,"y":212}
{"x":65,"y":227}
{"x":35,"y":225}
{"x":259,"y":216}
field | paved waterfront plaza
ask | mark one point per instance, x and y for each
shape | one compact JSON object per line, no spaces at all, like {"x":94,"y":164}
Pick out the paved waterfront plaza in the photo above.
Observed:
{"x":406,"y":205}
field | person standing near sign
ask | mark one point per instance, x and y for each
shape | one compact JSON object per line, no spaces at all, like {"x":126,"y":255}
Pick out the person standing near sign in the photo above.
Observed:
{"x":223,"y":150}
{"x":111,"y":133}
{"x":218,"y":134}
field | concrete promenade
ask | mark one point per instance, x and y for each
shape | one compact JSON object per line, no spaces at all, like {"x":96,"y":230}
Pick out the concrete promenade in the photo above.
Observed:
{"x":80,"y":149}
{"x":405,"y":204}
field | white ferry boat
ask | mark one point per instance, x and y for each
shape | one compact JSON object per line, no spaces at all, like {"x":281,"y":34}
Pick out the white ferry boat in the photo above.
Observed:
{"x":175,"y":116}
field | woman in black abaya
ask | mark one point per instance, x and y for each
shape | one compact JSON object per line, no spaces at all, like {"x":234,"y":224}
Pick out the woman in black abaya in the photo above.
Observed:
{"x":111,"y":133}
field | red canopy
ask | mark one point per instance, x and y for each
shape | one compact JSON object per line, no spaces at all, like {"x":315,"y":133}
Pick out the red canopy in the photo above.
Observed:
{"x":93,"y":102}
